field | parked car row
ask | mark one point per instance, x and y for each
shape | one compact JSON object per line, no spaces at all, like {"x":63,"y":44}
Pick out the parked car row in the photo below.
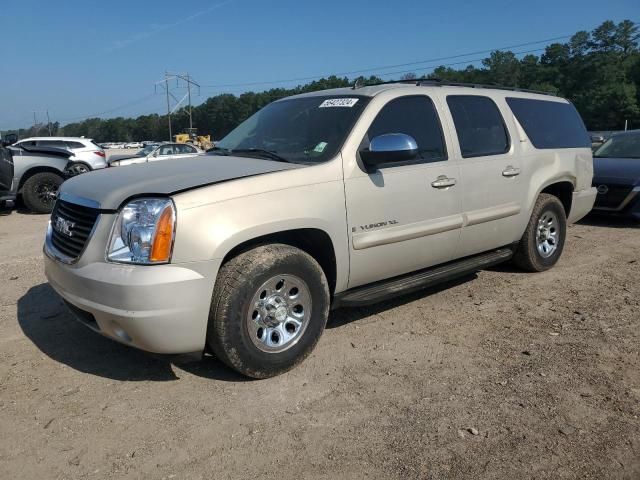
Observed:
{"x":121,"y":145}
{"x":152,"y":153}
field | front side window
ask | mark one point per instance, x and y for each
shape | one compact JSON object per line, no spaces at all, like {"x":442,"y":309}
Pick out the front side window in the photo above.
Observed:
{"x":299,"y":130}
{"x":415,"y":116}
{"x":479,"y":125}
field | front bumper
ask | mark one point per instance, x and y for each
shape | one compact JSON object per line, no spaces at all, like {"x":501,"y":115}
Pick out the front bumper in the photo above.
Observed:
{"x":627,"y":205}
{"x":581,"y":204}
{"x":159,"y":308}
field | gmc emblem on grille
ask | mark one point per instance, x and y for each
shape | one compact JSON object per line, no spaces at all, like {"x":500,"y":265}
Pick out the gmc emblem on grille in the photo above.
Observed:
{"x":63,"y":226}
{"x":603,"y":189}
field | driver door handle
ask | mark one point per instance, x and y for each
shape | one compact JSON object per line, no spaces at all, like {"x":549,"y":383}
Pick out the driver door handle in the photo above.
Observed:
{"x":511,"y":172}
{"x":443,"y":182}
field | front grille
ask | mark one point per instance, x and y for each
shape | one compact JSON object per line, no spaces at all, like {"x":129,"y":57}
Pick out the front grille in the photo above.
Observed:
{"x":71,"y":226}
{"x":613,"y":197}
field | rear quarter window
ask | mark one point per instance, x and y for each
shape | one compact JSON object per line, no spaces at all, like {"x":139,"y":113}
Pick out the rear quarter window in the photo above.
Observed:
{"x":550,"y":124}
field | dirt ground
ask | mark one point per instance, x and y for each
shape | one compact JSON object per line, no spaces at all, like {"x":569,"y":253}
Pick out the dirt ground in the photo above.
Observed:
{"x":501,"y":375}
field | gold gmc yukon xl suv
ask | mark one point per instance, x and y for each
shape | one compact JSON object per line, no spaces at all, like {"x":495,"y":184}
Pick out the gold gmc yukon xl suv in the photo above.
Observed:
{"x":334,"y":198}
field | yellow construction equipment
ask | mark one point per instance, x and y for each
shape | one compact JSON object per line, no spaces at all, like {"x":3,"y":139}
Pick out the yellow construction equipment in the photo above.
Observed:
{"x":191,"y":137}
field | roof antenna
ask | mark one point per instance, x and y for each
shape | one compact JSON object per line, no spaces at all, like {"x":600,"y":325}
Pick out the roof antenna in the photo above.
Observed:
{"x":358,"y":83}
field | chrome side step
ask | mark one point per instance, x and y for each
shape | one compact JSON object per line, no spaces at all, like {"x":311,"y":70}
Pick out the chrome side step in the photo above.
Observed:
{"x":411,"y":282}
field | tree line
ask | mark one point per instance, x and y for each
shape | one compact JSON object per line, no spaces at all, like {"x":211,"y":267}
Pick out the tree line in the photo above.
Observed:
{"x":599,"y":71}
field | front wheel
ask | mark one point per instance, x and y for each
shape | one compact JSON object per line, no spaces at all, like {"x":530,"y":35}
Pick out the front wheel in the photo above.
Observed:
{"x":543,"y":241}
{"x":269,"y":308}
{"x":40,"y":191}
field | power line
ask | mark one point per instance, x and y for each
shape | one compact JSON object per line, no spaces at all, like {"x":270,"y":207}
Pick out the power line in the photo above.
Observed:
{"x":384,"y":67}
{"x":121,"y":107}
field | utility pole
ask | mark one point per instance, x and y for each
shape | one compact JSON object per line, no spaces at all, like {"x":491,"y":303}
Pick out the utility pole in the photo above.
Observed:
{"x":166,"y":88}
{"x":164,"y":84}
{"x":189,"y":93}
{"x":49,"y":123}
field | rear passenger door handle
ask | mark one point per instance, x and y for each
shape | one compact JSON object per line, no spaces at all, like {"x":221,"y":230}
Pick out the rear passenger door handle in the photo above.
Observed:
{"x":443,"y":182}
{"x":511,"y":172}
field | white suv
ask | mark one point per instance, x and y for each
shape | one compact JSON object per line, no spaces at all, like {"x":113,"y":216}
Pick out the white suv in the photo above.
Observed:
{"x":334,"y":198}
{"x":87,"y":155}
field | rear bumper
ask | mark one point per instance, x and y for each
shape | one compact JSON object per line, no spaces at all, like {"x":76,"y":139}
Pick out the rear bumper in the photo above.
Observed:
{"x":582,"y":203}
{"x":161,"y":310}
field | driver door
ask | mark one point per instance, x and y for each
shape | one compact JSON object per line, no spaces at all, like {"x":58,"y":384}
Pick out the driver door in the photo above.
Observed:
{"x":404,"y":216}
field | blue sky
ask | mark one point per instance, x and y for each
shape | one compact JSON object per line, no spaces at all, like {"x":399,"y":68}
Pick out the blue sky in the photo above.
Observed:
{"x":80,"y":58}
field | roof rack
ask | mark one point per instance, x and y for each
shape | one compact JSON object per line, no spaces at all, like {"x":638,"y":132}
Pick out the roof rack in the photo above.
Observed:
{"x":436,"y":82}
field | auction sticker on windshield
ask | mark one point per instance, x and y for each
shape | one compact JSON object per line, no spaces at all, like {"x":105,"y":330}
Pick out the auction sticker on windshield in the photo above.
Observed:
{"x":338,"y":102}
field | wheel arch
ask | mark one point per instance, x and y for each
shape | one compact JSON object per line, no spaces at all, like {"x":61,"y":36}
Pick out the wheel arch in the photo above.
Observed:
{"x":563,"y":190}
{"x":314,"y":241}
{"x":35,"y":170}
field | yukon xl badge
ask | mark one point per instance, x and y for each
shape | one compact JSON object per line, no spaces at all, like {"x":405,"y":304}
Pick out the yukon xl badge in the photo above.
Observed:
{"x":63,"y":226}
{"x":373,"y":226}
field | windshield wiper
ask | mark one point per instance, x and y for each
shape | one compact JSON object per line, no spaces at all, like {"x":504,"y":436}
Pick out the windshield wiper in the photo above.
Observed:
{"x":259,"y":152}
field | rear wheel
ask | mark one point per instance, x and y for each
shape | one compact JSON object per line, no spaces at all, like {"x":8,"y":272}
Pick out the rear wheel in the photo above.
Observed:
{"x":40,"y":191}
{"x":543,"y":240}
{"x":77,"y":168}
{"x":269,"y":309}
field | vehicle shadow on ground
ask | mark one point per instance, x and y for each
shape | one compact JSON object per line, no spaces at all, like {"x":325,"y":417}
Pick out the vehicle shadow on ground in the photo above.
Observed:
{"x":344,"y":316}
{"x":46,"y":321}
{"x":601,"y":220}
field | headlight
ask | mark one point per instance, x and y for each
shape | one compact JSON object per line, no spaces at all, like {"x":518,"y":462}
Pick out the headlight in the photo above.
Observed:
{"x":143,"y":232}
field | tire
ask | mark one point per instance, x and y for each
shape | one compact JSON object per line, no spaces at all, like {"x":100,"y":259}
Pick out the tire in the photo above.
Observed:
{"x":549,"y":221}
{"x":253,"y":326}
{"x":77,"y":168}
{"x":39,"y":192}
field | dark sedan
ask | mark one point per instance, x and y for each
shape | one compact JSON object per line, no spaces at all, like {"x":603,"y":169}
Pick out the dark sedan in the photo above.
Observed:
{"x":616,"y":175}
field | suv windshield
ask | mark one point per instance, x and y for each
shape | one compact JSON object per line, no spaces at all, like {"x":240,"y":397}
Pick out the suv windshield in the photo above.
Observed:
{"x":304,"y":130}
{"x":620,"y":146}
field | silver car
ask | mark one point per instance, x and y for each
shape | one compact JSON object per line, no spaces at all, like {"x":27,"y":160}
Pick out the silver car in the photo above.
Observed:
{"x":86,"y":154}
{"x":152,"y":153}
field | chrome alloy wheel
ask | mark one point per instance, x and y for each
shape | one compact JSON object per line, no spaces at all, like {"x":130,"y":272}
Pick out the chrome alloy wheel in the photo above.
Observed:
{"x":547,"y":234}
{"x":279,"y":313}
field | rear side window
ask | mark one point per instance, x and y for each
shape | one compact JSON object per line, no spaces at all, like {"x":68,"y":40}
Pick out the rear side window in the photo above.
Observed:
{"x":415,"y":116}
{"x":52,"y":144}
{"x":479,"y":125}
{"x":75,"y":145}
{"x":550,"y":124}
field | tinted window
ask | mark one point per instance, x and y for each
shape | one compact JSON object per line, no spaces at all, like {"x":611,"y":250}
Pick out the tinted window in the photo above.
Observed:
{"x":415,"y":116}
{"x":479,"y":125}
{"x":167,"y":150}
{"x":52,"y":143}
{"x":74,"y":145}
{"x":550,"y":124}
{"x":184,"y":149}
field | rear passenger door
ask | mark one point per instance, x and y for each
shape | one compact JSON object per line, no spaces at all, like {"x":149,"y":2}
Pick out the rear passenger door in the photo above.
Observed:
{"x":403,"y":217}
{"x":492,"y":192}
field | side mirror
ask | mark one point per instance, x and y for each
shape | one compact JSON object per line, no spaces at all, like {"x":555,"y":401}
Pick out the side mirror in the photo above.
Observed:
{"x":9,"y":139}
{"x":389,"y":148}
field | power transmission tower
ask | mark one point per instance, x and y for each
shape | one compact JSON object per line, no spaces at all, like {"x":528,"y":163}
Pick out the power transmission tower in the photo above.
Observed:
{"x":179,"y":78}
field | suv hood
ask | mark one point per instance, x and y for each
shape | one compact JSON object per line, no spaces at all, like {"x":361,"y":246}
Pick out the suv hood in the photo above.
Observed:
{"x":110,"y":187}
{"x":621,"y":168}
